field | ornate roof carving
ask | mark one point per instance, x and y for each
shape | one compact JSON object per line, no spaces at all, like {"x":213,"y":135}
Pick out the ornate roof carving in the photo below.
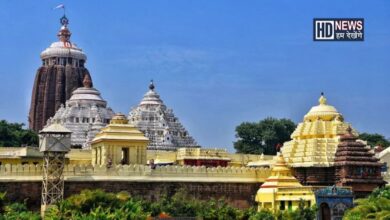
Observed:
{"x":314,"y":141}
{"x":159,"y":124}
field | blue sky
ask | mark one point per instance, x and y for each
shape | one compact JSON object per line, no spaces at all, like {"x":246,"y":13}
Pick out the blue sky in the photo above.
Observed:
{"x":215,"y":63}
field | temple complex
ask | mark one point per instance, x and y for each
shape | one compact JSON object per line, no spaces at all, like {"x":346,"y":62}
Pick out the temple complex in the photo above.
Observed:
{"x":282,"y":191}
{"x":62,"y":72}
{"x":311,"y":152}
{"x":119,"y":143}
{"x":159,"y":124}
{"x":356,"y":166}
{"x":85,"y":113}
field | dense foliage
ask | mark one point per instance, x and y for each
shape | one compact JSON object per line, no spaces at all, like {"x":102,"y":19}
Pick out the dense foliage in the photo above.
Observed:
{"x":15,"y":211}
{"x":14,"y":135}
{"x":375,"y":140}
{"x":376,"y":206}
{"x":263,"y":136}
{"x":98,"y":204}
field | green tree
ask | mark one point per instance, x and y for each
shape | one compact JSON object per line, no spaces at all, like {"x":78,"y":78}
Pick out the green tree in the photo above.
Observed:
{"x":376,"y":206}
{"x":14,"y":135}
{"x":263,"y":136}
{"x":375,"y":139}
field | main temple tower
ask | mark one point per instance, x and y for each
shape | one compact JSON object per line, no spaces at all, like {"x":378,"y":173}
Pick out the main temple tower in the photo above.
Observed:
{"x":62,"y":72}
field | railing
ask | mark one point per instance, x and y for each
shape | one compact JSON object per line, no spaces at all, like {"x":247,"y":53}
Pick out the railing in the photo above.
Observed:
{"x":184,"y":173}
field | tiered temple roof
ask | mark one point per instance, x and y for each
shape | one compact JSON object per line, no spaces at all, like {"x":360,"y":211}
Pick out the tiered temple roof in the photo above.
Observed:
{"x":159,"y":124}
{"x":119,"y":130}
{"x":314,"y":141}
{"x":85,"y":113}
{"x":356,"y":165}
{"x":281,"y":190}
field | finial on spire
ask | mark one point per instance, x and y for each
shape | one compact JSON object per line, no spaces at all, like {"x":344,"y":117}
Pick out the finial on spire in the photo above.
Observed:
{"x":349,"y":130}
{"x":151,"y":85}
{"x":322,"y":99}
{"x":87,"y":82}
{"x":64,"y":33}
{"x":64,"y":21}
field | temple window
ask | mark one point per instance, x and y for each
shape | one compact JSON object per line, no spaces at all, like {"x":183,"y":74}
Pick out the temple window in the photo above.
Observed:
{"x":289,"y":205}
{"x":282,"y":205}
{"x":77,"y":120}
{"x":125,"y":156}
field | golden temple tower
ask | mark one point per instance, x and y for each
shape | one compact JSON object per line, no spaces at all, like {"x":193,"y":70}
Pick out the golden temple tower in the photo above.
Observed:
{"x":311,"y":152}
{"x":282,"y":191}
{"x":119,"y":143}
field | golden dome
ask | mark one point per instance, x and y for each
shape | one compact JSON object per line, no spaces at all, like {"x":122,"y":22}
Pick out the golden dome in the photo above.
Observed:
{"x":323,"y":111}
{"x":314,"y":141}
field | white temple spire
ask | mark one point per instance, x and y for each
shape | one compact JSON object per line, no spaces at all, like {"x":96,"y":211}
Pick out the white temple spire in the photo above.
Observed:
{"x":159,"y":124}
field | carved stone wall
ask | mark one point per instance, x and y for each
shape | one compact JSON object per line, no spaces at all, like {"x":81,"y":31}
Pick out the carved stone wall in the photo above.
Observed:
{"x":53,"y":85}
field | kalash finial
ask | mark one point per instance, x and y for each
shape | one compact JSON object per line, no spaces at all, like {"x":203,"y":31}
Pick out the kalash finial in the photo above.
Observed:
{"x":64,"y":33}
{"x":349,"y":130}
{"x":151,"y":85}
{"x":64,"y":21}
{"x":322,"y":99}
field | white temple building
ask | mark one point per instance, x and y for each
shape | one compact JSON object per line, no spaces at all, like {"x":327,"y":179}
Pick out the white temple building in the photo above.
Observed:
{"x":159,"y":124}
{"x":85,"y":113}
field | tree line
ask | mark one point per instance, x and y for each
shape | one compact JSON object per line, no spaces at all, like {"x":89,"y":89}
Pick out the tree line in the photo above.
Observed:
{"x":262,"y":137}
{"x":269,"y":134}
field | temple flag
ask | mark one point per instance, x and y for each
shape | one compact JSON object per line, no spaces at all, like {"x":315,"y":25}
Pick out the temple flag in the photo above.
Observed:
{"x":60,"y":6}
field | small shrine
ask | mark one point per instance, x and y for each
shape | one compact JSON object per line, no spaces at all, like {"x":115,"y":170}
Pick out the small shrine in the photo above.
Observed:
{"x":119,"y":143}
{"x":332,"y":202}
{"x":282,"y":191}
{"x":356,"y":166}
{"x":311,"y":152}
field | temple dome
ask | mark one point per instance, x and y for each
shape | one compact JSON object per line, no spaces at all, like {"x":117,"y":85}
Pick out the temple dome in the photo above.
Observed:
{"x":64,"y":48}
{"x":85,"y":95}
{"x":323,"y":110}
{"x":151,"y":97}
{"x":314,"y":141}
{"x":85,"y":113}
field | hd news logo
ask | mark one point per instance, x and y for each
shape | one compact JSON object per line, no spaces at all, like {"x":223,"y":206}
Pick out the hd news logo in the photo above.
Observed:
{"x":338,"y":29}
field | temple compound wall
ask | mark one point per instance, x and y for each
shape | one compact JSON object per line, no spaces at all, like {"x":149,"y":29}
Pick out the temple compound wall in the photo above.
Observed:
{"x":238,"y":186}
